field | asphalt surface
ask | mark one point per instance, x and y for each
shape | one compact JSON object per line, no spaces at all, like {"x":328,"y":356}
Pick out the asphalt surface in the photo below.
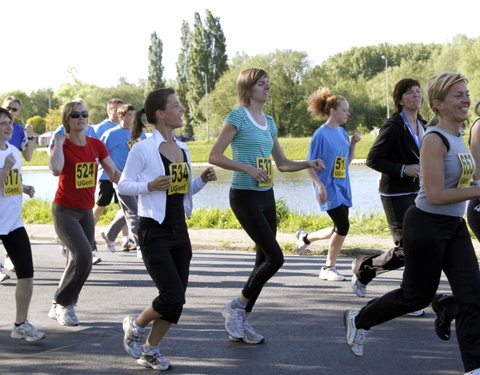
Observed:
{"x":299,"y":314}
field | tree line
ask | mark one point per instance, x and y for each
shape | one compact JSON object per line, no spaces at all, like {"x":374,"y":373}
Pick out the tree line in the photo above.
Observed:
{"x":205,"y":82}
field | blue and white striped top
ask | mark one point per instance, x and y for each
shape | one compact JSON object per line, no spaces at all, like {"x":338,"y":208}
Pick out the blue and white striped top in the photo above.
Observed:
{"x":252,"y":141}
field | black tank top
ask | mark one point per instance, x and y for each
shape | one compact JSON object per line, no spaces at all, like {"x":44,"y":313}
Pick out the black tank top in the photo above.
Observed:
{"x":174,"y":210}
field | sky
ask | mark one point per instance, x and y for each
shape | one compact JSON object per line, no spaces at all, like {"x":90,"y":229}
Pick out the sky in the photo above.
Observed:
{"x":103,"y":40}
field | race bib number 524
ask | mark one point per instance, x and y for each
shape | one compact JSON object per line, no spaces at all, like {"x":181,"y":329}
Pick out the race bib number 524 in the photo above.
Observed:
{"x":85,"y":175}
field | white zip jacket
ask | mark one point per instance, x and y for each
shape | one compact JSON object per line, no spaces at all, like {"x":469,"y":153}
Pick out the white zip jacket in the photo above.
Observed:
{"x":144,"y":165}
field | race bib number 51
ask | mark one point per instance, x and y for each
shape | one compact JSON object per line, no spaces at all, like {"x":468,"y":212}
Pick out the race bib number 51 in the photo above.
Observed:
{"x":180,"y":174}
{"x":85,"y":175}
{"x":340,"y":167}
{"x":265,"y":164}
{"x":13,"y":183}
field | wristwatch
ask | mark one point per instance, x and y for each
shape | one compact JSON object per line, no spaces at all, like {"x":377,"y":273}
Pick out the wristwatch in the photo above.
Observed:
{"x":31,"y":137}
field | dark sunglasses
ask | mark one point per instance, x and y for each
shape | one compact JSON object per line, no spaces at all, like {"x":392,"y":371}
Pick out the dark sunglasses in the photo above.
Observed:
{"x":75,"y":114}
{"x":10,"y":109}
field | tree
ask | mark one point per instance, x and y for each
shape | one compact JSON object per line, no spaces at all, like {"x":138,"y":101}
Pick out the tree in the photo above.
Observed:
{"x":155,"y":68}
{"x":38,"y":124}
{"x":182,"y":75}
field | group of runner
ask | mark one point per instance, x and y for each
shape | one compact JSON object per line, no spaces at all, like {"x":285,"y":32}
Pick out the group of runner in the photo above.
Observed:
{"x":427,"y":176}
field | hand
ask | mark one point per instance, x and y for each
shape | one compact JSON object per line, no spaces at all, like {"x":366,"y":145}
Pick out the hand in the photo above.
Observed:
{"x":321,"y":194}
{"x":356,"y":137}
{"x":160,"y":183}
{"x":258,"y":174}
{"x":209,"y":175}
{"x":9,"y":162}
{"x":317,"y":164}
{"x":412,"y":170}
{"x":60,"y":139}
{"x":29,"y":190}
{"x":29,"y":130}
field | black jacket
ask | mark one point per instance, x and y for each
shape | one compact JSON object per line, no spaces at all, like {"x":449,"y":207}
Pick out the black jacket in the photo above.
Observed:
{"x":394,"y":148}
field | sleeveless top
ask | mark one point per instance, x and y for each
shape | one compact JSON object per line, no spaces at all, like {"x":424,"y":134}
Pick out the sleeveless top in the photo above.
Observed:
{"x":459,"y":166}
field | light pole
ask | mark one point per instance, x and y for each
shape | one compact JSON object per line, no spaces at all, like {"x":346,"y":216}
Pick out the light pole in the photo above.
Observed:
{"x":206,"y":105}
{"x":386,"y":84}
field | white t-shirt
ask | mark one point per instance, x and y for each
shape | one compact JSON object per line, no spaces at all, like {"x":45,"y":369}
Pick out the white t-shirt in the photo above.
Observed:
{"x":10,"y":200}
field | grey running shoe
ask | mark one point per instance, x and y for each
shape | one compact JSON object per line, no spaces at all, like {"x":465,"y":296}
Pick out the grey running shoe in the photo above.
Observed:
{"x":129,"y":245}
{"x":134,"y":337}
{"x":110,"y":244}
{"x":66,"y":315}
{"x":301,"y":246}
{"x":359,"y":288}
{"x":152,"y":358}
{"x":417,"y":313}
{"x":354,"y":336}
{"x":26,"y":331}
{"x":61,"y":246}
{"x":234,"y":320}
{"x":474,"y":372}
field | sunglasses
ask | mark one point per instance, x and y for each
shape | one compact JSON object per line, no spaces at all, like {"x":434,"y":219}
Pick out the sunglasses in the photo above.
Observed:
{"x":75,"y":114}
{"x":10,"y":109}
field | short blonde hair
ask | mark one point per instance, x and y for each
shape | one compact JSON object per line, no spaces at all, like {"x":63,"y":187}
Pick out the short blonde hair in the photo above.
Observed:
{"x":437,"y":89}
{"x":245,"y":82}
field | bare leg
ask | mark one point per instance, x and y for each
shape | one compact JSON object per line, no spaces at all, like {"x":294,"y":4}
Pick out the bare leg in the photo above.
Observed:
{"x":159,"y":327}
{"x":23,"y":296}
{"x":334,"y":247}
{"x":322,"y":234}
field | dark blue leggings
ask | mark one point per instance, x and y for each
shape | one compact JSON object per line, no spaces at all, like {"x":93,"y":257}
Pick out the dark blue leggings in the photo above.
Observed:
{"x":256,"y":213}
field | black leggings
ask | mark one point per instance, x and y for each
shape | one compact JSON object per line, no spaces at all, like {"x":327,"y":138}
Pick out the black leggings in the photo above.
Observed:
{"x":167,"y":252}
{"x":256,"y":212}
{"x":18,"y":248}
{"x":473,"y":217}
{"x":339,"y":216}
{"x":433,"y":243}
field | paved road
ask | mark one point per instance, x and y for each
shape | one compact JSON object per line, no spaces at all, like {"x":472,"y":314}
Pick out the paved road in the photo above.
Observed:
{"x":300,"y":316}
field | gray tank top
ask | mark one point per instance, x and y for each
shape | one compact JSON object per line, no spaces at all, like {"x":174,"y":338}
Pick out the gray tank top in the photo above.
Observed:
{"x":459,"y":166}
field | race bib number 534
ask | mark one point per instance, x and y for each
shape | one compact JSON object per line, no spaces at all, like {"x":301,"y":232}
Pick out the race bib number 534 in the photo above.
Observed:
{"x":180,"y":174}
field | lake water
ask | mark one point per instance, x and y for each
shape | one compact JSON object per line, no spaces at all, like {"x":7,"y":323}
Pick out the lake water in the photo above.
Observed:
{"x":295,"y":188}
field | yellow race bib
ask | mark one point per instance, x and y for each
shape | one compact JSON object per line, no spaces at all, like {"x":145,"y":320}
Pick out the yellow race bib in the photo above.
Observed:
{"x":131,"y":143}
{"x":180,"y":175}
{"x":340,"y":167}
{"x":85,"y":175}
{"x":468,"y":167}
{"x":265,"y":164}
{"x":13,"y":183}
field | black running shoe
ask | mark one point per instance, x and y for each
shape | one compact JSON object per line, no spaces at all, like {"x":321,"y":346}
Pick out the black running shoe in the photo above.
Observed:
{"x":442,"y":321}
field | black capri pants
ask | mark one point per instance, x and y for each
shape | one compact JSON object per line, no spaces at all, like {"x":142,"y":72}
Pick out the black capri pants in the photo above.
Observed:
{"x":256,"y":213}
{"x":339,"y":216}
{"x":167,"y":253}
{"x":18,"y":248}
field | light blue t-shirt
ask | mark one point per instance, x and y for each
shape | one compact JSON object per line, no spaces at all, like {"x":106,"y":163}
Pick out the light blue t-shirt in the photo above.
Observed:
{"x":118,"y":143}
{"x":103,"y":127}
{"x":252,"y":141}
{"x":332,"y":145}
{"x":61,"y":130}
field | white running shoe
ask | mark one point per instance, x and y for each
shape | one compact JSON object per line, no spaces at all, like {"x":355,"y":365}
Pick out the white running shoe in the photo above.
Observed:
{"x":134,"y":337}
{"x":234,"y":320}
{"x":26,"y":331}
{"x":354,"y":336}
{"x":359,"y":288}
{"x":474,"y":372}
{"x":152,"y":358}
{"x":110,"y":244}
{"x":61,"y":246}
{"x":95,"y":259}
{"x":417,"y":313}
{"x":3,"y":275}
{"x":139,"y":254}
{"x":66,"y":315}
{"x":8,"y":265}
{"x":52,"y":313}
{"x":301,"y":246}
{"x":330,"y":274}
